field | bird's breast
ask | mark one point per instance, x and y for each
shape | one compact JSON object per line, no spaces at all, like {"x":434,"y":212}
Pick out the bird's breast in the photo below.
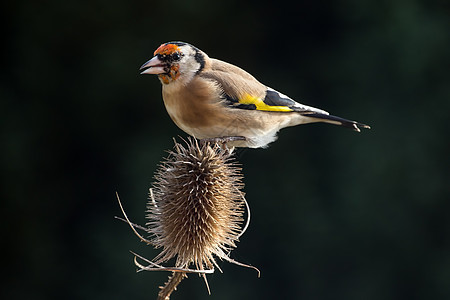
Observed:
{"x":194,"y":107}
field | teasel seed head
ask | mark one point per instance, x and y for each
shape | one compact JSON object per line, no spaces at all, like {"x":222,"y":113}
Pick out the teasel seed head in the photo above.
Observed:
{"x":195,"y":212}
{"x":197,"y":205}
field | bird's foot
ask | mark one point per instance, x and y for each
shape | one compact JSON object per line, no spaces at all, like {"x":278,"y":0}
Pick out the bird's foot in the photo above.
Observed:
{"x":224,"y":140}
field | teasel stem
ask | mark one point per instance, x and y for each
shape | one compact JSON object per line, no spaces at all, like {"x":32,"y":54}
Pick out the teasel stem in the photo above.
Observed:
{"x":171,"y":285}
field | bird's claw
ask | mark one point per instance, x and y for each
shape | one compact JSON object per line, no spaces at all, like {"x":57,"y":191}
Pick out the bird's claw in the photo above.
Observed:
{"x":223,"y":140}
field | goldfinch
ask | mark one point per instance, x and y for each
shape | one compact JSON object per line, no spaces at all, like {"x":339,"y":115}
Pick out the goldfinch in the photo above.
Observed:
{"x":211,"y":99}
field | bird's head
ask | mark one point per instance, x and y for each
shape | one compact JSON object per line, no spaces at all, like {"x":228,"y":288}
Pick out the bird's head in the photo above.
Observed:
{"x":175,"y":61}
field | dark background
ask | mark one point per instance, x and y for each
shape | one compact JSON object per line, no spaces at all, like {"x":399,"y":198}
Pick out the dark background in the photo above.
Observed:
{"x":335,"y":214}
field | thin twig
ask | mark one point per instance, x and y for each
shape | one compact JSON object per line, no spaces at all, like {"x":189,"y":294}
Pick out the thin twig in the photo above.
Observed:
{"x":161,"y":268}
{"x":134,"y":225}
{"x":230,"y":260}
{"x":248,"y":216}
{"x":131,"y":224}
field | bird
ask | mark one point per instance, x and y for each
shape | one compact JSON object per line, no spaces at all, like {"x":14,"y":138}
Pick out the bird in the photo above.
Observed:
{"x":210,"y":99}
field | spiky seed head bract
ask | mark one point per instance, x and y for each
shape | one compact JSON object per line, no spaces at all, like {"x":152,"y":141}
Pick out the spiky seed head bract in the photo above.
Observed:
{"x":195,"y":212}
{"x":196,"y":206}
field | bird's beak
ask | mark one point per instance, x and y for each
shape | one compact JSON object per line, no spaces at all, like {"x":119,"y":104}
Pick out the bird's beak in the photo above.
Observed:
{"x":153,"y":66}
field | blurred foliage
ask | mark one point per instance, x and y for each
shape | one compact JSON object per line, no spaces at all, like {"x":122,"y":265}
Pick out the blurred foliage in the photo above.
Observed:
{"x":335,"y":214}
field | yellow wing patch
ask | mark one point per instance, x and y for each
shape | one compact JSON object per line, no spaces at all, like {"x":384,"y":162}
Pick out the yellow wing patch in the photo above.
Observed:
{"x":260,"y":105}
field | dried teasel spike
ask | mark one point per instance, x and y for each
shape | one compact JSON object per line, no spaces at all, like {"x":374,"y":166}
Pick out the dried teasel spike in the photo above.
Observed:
{"x":156,"y":267}
{"x":195,"y":212}
{"x":131,"y":224}
{"x":247,"y":223}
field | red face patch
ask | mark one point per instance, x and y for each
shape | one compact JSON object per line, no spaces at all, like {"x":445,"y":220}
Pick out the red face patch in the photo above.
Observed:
{"x":166,"y":49}
{"x":172,"y":75}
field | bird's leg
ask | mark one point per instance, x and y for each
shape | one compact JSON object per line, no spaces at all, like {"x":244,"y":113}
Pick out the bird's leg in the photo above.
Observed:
{"x":224,"y":140}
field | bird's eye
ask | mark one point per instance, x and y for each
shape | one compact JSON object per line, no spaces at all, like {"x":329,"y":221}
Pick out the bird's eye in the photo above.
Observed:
{"x":176,"y":56}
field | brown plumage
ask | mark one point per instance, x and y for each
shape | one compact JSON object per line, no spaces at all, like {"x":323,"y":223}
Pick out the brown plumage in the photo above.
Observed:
{"x":209,"y":98}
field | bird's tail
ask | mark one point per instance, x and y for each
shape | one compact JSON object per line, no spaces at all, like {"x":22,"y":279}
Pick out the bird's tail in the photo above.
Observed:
{"x":338,"y":121}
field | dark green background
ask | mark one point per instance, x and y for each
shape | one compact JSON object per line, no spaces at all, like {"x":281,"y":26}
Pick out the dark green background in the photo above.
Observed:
{"x":335,"y":214}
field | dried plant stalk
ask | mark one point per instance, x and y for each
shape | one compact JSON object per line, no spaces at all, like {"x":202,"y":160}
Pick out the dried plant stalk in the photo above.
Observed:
{"x":195,"y":212}
{"x":171,"y":285}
